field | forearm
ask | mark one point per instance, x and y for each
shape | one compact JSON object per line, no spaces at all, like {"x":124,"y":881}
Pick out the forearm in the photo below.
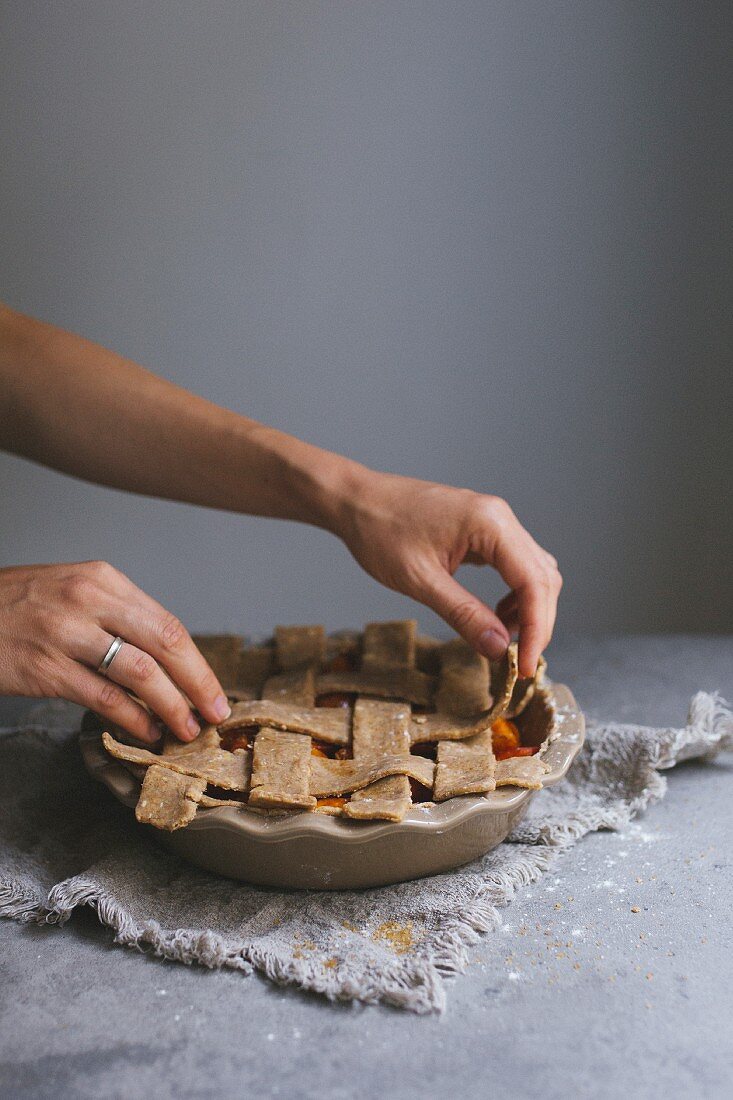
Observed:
{"x":79,"y":408}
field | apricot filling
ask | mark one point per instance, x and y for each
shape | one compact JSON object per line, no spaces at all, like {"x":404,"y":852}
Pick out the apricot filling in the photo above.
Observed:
{"x":506,"y":741}
{"x":335,"y":699}
{"x":231,"y":740}
{"x":329,"y":752}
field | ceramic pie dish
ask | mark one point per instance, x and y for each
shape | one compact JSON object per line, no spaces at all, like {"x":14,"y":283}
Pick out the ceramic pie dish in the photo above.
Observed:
{"x":316,"y":851}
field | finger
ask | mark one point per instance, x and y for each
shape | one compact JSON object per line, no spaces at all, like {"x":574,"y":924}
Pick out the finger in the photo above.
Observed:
{"x":138,"y":671}
{"x":466,"y":614}
{"x":89,"y":689}
{"x":525,"y":567}
{"x":552,"y":607}
{"x":506,"y":605}
{"x":148,"y":626}
{"x":533,"y":625}
{"x":510,"y":620}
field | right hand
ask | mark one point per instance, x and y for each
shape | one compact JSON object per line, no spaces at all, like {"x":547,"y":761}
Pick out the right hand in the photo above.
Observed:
{"x":412,"y":535}
{"x":57,"y":623}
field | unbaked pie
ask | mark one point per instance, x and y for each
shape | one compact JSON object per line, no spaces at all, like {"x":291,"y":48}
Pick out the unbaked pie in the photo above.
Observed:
{"x":360,"y":725}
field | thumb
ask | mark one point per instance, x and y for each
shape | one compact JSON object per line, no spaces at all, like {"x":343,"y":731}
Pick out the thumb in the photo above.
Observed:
{"x":466,"y":614}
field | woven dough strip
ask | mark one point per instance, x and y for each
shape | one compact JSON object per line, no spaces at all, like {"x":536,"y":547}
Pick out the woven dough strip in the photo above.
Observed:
{"x":228,"y":770}
{"x":281,"y":765}
{"x":281,"y":772}
{"x":167,"y":800}
{"x":379,"y":729}
{"x":333,"y":726}
{"x":465,"y":767}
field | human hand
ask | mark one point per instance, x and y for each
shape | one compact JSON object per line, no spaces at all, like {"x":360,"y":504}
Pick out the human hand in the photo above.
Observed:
{"x":57,"y":623}
{"x":412,"y":535}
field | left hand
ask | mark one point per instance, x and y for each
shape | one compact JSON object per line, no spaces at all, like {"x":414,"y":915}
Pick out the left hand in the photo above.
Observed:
{"x":412,"y":535}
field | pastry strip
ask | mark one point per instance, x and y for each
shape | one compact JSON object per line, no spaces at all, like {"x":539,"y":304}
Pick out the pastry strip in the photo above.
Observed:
{"x":463,"y":684}
{"x":504,"y":675}
{"x":222,"y":651}
{"x":167,"y":800}
{"x":427,"y":654}
{"x":387,"y":800}
{"x":334,"y":777}
{"x":228,"y":770}
{"x":281,"y":765}
{"x":243,"y":694}
{"x":465,"y":767}
{"x":320,"y":722}
{"x":380,"y":729}
{"x":296,"y":646}
{"x":207,"y":741}
{"x":441,"y":727}
{"x":400,"y":683}
{"x":296,"y":687}
{"x":520,"y":771}
{"x":525,"y":688}
{"x":256,"y":663}
{"x":343,"y":642}
{"x":389,"y":645}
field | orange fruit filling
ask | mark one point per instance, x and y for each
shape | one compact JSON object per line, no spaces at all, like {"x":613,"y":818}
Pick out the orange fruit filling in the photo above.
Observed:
{"x":239,"y":739}
{"x":504,"y":735}
{"x":336,"y":699}
{"x":337,"y":802}
{"x":327,"y":751}
{"x":521,"y":750}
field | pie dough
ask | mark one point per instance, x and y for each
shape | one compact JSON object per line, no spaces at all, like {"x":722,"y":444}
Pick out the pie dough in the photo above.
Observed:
{"x":465,"y":767}
{"x":399,"y":683}
{"x":281,"y":770}
{"x":463,"y":688}
{"x":228,"y":770}
{"x":520,"y":771}
{"x":381,"y":728}
{"x":333,"y":726}
{"x":343,"y":724}
{"x":168,"y":800}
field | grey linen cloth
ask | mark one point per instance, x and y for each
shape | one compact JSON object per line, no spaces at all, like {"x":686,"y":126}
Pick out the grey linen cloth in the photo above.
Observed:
{"x":65,"y":842}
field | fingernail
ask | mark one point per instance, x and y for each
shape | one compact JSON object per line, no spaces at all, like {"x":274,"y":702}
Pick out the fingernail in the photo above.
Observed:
{"x":222,"y":709}
{"x":492,"y":644}
{"x":193,"y":727}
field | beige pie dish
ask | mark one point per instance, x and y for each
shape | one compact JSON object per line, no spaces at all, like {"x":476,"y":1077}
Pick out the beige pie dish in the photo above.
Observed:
{"x":316,"y":851}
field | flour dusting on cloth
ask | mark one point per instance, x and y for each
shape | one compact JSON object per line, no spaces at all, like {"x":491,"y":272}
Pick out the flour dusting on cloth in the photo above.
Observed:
{"x":65,"y":842}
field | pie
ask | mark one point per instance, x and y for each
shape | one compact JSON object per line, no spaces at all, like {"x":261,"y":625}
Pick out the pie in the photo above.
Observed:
{"x":359,"y":725}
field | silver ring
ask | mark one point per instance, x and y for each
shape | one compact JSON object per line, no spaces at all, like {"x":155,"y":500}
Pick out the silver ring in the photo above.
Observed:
{"x":110,"y":655}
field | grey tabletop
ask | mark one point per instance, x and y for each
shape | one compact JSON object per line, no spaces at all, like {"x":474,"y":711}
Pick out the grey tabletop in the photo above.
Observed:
{"x":589,"y":997}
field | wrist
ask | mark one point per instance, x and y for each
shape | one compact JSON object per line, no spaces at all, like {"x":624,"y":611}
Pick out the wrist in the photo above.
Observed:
{"x":330,"y":486}
{"x":305,"y":482}
{"x":344,"y":485}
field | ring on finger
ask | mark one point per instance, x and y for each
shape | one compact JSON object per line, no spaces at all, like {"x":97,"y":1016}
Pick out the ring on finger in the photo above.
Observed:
{"x":110,"y":655}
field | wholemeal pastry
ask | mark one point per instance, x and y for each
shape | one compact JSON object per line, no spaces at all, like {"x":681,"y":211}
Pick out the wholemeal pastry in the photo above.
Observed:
{"x":357,"y":725}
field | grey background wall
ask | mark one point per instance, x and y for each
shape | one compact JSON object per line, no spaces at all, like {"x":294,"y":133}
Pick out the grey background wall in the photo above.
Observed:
{"x":482,"y":243}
